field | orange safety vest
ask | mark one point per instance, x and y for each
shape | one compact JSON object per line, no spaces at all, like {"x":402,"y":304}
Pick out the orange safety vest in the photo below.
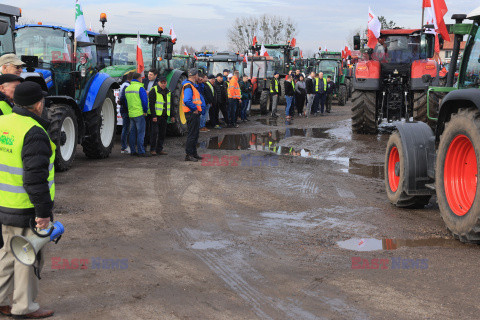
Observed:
{"x":234,"y":89}
{"x":196,"y":98}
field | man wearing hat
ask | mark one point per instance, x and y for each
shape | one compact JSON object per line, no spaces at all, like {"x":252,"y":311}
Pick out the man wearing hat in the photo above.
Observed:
{"x":160,"y":102}
{"x":191,"y":104}
{"x":226,"y":72}
{"x":27,"y":192}
{"x":10,"y":64}
{"x":8,"y":83}
{"x":208,"y":94}
{"x":274,"y":93}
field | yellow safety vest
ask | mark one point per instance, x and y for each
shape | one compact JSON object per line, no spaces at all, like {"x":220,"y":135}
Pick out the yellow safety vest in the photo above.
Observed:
{"x":275,"y":83}
{"x":160,"y":103}
{"x":5,"y":108}
{"x":13,"y":128}
{"x":132,"y":93}
{"x":317,"y":84}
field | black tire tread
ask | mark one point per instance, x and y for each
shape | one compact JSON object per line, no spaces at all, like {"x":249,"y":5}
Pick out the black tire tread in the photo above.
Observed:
{"x":177,"y":129}
{"x":56,"y":113}
{"x":264,"y":99}
{"x":364,"y":114}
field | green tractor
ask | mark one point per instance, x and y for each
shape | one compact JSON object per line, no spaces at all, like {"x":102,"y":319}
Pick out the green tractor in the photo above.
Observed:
{"x":8,"y":16}
{"x":183,"y":62}
{"x":157,"y":53}
{"x":421,"y":162}
{"x":333,"y":68}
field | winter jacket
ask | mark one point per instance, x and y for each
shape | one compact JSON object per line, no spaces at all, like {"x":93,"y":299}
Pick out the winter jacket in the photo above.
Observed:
{"x":330,"y":87}
{"x":36,"y":153}
{"x":200,"y":88}
{"x":208,"y":94}
{"x":246,"y":89}
{"x":152,"y":99}
{"x":300,"y":88}
{"x":123,"y":104}
{"x":219,"y":98}
{"x":310,"y":85}
{"x":234,"y":89}
{"x":289,"y":89}
{"x":4,"y":98}
{"x":146,"y":82}
{"x":188,"y":96}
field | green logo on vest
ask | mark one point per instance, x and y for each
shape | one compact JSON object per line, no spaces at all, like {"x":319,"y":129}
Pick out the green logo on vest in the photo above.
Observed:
{"x":7,"y":139}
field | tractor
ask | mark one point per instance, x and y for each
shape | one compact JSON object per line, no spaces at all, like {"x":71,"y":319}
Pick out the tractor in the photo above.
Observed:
{"x":388,"y":85}
{"x":333,"y":67}
{"x":183,"y":62}
{"x":220,"y":61}
{"x":8,"y":16}
{"x":259,"y":69}
{"x":421,"y":162}
{"x":157,"y":53}
{"x":80,"y":103}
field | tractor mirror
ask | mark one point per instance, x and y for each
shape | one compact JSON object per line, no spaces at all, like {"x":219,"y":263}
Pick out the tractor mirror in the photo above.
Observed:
{"x":101,"y":40}
{"x":356,"y":42}
{"x":4,"y":26}
{"x":169,"y":47}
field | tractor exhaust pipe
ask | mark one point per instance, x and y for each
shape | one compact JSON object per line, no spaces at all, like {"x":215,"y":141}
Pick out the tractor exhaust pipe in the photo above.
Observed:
{"x":456,"y":50}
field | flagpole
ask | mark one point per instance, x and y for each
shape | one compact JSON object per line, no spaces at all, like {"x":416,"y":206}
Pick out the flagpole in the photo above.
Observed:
{"x":423,"y":14}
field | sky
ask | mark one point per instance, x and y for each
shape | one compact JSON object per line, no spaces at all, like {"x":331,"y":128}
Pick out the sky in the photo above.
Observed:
{"x":325,"y":23}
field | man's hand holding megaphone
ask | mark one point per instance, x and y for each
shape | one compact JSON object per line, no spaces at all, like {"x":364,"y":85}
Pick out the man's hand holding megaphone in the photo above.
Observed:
{"x":42,"y":223}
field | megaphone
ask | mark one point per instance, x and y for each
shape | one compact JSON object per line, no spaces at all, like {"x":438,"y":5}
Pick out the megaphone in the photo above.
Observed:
{"x":25,"y":249}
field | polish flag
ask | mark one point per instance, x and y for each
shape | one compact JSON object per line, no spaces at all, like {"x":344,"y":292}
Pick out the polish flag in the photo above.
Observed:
{"x":185,"y":52}
{"x":263,"y":51}
{"x":140,"y":64}
{"x":374,"y":27}
{"x":172,"y":34}
{"x":245,"y":59}
{"x":293,"y":42}
{"x":435,"y":10}
{"x":301,"y":54}
{"x":255,"y":41}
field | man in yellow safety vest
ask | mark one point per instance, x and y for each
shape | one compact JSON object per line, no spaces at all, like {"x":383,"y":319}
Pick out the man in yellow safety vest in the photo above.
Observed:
{"x":8,"y":83}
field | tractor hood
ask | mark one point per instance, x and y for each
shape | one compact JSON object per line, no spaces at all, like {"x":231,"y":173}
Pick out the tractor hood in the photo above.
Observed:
{"x":118,"y":72}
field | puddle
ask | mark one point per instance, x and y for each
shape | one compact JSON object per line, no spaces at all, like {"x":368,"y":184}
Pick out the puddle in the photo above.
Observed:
{"x":210,"y":244}
{"x":374,"y":170}
{"x":268,"y":122}
{"x":370,"y":244}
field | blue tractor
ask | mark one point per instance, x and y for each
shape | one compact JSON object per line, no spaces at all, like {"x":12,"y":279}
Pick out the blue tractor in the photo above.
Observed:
{"x":81,"y":103}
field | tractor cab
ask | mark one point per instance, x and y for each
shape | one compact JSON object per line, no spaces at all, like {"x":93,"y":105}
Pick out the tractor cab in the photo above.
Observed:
{"x":8,"y":16}
{"x":183,"y":62}
{"x":224,"y":60}
{"x":331,"y":55}
{"x":469,"y":75}
{"x":283,"y":55}
{"x":201,"y":61}
{"x":260,"y":70}
{"x":329,"y":67}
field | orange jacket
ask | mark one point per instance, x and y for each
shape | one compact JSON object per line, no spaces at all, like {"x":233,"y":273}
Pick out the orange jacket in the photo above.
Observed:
{"x":195,"y":99}
{"x":234,"y":89}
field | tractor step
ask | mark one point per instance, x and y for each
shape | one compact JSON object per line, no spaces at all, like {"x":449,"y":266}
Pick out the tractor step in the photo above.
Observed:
{"x":430,"y":186}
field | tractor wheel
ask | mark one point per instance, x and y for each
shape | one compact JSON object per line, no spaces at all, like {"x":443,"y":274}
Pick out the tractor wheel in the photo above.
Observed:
{"x":281,"y":97}
{"x":420,"y":106}
{"x":456,"y":172}
{"x":179,"y":127}
{"x":342,"y":95}
{"x":63,"y":131}
{"x":264,"y":101}
{"x":364,"y":112}
{"x":100,"y":129}
{"x":349,"y":87}
{"x":395,"y":173}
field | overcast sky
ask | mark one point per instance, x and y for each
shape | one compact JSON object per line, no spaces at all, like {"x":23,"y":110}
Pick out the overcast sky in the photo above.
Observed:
{"x":326,"y":23}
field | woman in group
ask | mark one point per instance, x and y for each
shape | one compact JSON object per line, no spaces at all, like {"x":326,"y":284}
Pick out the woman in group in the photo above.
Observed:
{"x":300,"y":95}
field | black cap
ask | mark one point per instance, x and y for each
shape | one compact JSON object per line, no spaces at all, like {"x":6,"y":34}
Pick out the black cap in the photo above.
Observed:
{"x":28,"y":93}
{"x":219,"y":75}
{"x":226,"y":70}
{"x":211,"y":76}
{"x":4,"y":78}
{"x":192,"y":72}
{"x":162,"y":79}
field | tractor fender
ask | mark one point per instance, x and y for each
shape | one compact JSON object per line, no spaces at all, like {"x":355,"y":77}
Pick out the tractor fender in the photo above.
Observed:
{"x":38,"y":78}
{"x":418,"y":143}
{"x":176,"y":74}
{"x":464,"y":98}
{"x":367,"y":76}
{"x":98,"y":90}
{"x":73,"y":104}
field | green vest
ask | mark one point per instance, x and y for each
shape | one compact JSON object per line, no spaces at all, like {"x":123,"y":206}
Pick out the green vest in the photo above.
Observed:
{"x":317,"y":83}
{"x":13,"y":128}
{"x":132,"y":93}
{"x":5,"y":108}
{"x":275,"y":83}
{"x":160,"y":103}
{"x":293,"y":85}
{"x":211,"y":88}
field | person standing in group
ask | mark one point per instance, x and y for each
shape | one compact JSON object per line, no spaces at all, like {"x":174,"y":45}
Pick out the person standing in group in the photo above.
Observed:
{"x":27,"y":196}
{"x":148,"y":83}
{"x":10,"y":64}
{"x":219,"y":99}
{"x":316,"y":100}
{"x":208,"y":94}
{"x":124,"y":113}
{"x":8,"y":83}
{"x":160,"y":104}
{"x":137,"y":104}
{"x":226,"y":72}
{"x":297,"y":75}
{"x":246,"y":89}
{"x":300,"y":95}
{"x":274,"y":93}
{"x":289,"y":94}
{"x":329,"y":94}
{"x":322,"y":90}
{"x":310,"y":88}
{"x":202,"y":79}
{"x":191,"y":104}
{"x":234,"y":97}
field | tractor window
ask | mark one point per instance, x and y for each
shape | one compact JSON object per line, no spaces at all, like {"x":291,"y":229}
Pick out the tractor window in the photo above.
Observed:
{"x":125,"y":52}
{"x":327,"y":66}
{"x":6,"y":40}
{"x":47,"y":44}
{"x":216,"y":67}
{"x":398,"y":49}
{"x":259,"y":69}
{"x":472,"y":71}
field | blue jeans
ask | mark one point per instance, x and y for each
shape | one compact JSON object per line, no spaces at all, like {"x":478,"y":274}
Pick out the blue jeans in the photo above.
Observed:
{"x":322,"y":102}
{"x":137,"y":134}
{"x":232,"y":111}
{"x":289,"y":105}
{"x":243,"y":112}
{"x":203,"y":117}
{"x":125,"y":130}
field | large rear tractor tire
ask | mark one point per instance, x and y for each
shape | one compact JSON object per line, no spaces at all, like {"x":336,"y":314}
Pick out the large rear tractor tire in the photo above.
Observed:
{"x":456,"y":173}
{"x":264,"y":101}
{"x":100,"y":129}
{"x":364,"y":112}
{"x":395,"y":175}
{"x":420,"y":106}
{"x":342,"y":95}
{"x":63,"y":131}
{"x":177,"y":129}
{"x":349,"y":85}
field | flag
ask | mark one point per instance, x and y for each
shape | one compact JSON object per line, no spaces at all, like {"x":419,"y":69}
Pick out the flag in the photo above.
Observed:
{"x":80,"y":26}
{"x":301,"y":54}
{"x":90,"y":29}
{"x":374,"y":27}
{"x":343,"y":54}
{"x":185,"y":52}
{"x":195,"y":56}
{"x":435,"y":11}
{"x":293,"y":42}
{"x":140,"y":65}
{"x":172,"y":34}
{"x":254,"y":41}
{"x":245,"y":58}
{"x":263,"y":51}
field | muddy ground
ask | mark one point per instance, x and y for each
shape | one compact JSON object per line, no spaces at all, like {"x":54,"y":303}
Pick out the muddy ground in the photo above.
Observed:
{"x":254,"y":241}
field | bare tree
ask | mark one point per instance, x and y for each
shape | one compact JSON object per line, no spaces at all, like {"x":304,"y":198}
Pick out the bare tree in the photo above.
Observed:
{"x":386,"y":24}
{"x":268,"y":29}
{"x":189,"y":49}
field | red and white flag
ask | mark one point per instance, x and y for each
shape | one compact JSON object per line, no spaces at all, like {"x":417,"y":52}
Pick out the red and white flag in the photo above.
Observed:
{"x":172,"y":34}
{"x":374,"y":28}
{"x":255,"y":41}
{"x":185,"y":52}
{"x":140,"y":64}
{"x":293,"y":43}
{"x":245,"y":58}
{"x":263,"y":51}
{"x":435,"y":10}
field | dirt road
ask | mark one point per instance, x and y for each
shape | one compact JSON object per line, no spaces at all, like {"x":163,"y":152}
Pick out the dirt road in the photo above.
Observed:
{"x":256,"y":240}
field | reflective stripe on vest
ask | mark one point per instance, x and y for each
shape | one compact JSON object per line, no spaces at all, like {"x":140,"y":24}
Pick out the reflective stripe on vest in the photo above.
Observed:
{"x":211,"y":88}
{"x":132,"y":93}
{"x":5,"y":107}
{"x":195,"y":98}
{"x":160,"y":102}
{"x":317,"y":84}
{"x":275,"y":83}
{"x":13,"y":128}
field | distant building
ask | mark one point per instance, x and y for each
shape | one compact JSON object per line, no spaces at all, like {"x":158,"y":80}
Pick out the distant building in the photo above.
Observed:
{"x":446,"y":52}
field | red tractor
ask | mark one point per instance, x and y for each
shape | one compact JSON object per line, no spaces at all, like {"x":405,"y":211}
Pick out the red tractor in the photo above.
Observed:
{"x":388,"y":85}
